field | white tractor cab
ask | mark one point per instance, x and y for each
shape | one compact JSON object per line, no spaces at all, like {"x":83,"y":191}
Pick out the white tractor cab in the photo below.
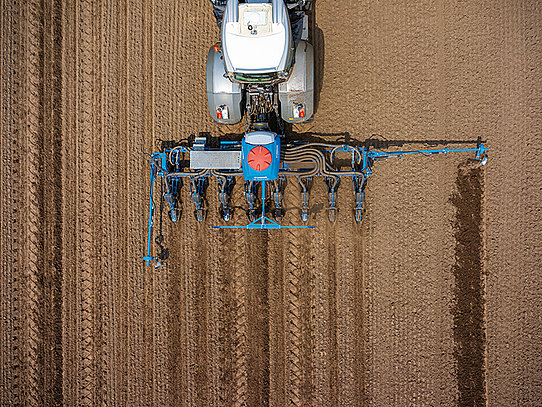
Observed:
{"x":263,"y":67}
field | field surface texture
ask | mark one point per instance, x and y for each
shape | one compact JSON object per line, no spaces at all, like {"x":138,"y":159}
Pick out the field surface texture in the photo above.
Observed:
{"x":434,"y":300}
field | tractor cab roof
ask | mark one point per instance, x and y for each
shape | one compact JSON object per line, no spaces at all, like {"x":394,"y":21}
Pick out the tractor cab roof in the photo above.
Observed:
{"x":256,"y":37}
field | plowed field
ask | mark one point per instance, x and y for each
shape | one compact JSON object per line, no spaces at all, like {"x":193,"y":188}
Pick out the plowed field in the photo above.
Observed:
{"x":434,"y":300}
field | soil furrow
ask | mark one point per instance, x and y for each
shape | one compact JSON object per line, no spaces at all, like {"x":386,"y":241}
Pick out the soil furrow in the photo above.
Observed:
{"x":218,"y":306}
{"x":141,"y":318}
{"x":257,"y":275}
{"x":292,"y":270}
{"x":348,"y":279}
{"x":330,"y":274}
{"x":200,"y":273}
{"x":32,"y":133}
{"x":215,"y":343}
{"x":113,"y":296}
{"x":320,"y":318}
{"x":116,"y":172}
{"x":233,"y":319}
{"x":86,"y":339}
{"x":108,"y":248}
{"x":11,"y":367}
{"x":158,"y":282}
{"x":293,"y":321}
{"x":98,"y":204}
{"x":277,"y":313}
{"x":179,"y":341}
{"x":240,"y":325}
{"x":222,"y":310}
{"x":307,"y":335}
{"x":513,"y":211}
{"x":51,"y":345}
{"x":191,"y":272}
{"x":69,"y":198}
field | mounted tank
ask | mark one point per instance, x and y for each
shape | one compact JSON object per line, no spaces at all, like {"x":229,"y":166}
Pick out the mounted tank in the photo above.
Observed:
{"x":260,"y":151}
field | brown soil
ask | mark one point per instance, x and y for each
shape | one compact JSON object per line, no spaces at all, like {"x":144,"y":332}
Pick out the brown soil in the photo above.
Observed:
{"x":433,"y":300}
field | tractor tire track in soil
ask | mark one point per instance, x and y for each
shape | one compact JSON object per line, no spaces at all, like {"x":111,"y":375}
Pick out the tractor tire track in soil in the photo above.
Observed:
{"x":348,"y":278}
{"x":32,"y":122}
{"x":240,"y":324}
{"x":85,"y":132}
{"x":277,"y":310}
{"x":433,"y":300}
{"x":257,"y":275}
{"x":51,"y":202}
{"x":216,"y":306}
{"x":12,"y":361}
{"x":293,"y":370}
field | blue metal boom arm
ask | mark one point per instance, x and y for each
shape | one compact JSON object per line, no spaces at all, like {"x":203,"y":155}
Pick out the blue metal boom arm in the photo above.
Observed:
{"x":148,"y":258}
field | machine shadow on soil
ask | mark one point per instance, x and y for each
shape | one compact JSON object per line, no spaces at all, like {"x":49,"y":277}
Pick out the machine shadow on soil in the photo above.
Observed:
{"x":468,"y":311}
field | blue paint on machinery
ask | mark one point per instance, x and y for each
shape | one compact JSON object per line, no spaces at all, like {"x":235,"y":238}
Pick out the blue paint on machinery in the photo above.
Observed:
{"x":266,"y":141}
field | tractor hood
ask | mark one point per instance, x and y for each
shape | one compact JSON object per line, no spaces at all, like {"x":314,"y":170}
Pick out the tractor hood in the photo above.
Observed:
{"x":256,"y":37}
